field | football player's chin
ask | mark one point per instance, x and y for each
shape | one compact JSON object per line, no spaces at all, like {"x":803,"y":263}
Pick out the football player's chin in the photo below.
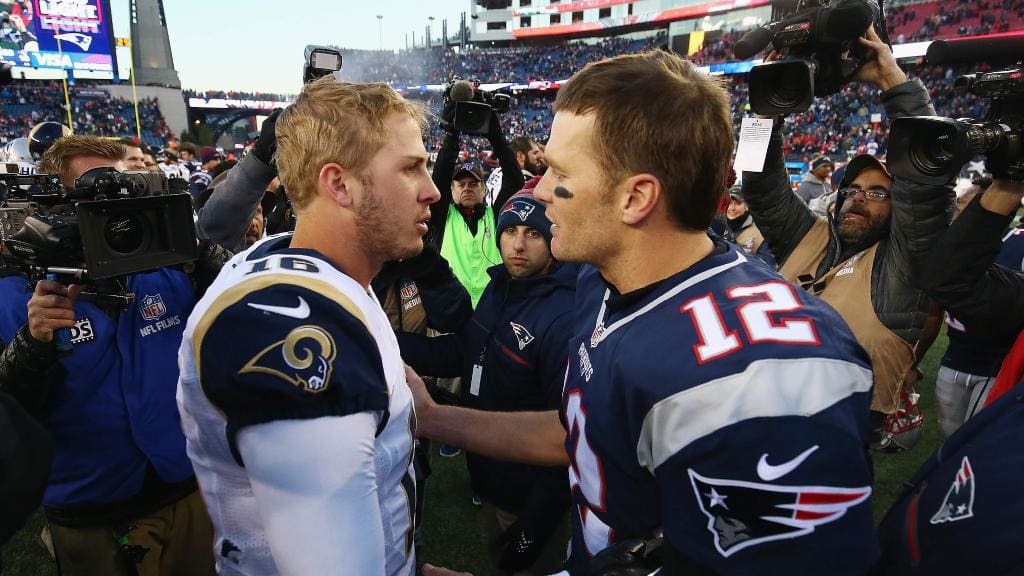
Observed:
{"x":411,"y":248}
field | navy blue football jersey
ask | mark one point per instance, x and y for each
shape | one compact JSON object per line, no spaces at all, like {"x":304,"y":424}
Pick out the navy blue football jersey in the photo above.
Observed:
{"x":962,"y":512}
{"x":726,"y":408}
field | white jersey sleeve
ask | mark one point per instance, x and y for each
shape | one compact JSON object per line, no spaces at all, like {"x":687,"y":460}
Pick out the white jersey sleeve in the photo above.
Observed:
{"x":315,"y":485}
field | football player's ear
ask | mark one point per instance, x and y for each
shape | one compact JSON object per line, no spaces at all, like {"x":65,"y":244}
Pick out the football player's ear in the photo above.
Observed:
{"x":336,"y":183}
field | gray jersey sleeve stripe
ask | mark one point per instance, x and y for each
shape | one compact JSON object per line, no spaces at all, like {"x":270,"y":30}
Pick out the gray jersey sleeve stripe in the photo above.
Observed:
{"x":767,"y":388}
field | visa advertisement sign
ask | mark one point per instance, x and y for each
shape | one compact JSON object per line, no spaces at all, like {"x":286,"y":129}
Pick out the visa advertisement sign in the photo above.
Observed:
{"x":68,"y":34}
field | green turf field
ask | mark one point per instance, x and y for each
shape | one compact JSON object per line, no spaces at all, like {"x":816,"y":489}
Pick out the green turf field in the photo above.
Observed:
{"x":452,"y":529}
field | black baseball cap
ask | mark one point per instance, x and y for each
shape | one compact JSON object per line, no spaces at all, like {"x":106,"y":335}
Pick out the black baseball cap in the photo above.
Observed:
{"x":860,"y":163}
{"x":471,"y":168}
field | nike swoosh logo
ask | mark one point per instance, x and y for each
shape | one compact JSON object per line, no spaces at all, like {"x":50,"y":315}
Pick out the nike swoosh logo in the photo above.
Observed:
{"x":767,"y":472}
{"x":300,"y":312}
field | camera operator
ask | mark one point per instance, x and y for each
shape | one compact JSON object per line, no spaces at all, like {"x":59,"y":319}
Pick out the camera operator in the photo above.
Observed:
{"x":972,"y":359}
{"x":961,"y":272}
{"x":226,"y":216}
{"x":862,"y":258}
{"x":122,"y":497}
{"x":463,"y":225}
{"x":957,"y":513}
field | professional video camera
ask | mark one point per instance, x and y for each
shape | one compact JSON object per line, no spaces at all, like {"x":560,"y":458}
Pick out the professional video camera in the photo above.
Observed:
{"x":932,"y":150}
{"x":820,"y":53}
{"x":473,"y":106}
{"x":320,"y":61}
{"x":113,"y":223}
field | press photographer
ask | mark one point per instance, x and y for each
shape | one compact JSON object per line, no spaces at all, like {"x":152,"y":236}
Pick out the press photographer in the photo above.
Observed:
{"x":975,"y":474}
{"x":863,"y":257}
{"x":121,"y":497}
{"x":462,"y":224}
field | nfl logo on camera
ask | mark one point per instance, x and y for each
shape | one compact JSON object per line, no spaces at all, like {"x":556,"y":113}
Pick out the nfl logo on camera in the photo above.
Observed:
{"x":153,"y":307}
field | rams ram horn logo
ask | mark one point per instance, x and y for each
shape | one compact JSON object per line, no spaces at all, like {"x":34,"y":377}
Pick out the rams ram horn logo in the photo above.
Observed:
{"x":304,"y":359}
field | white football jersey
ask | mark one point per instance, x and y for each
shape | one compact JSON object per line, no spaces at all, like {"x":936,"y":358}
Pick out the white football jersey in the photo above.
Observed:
{"x":282,"y":333}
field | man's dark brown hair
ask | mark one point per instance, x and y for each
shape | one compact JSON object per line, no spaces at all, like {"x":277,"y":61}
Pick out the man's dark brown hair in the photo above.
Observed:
{"x":656,"y":113}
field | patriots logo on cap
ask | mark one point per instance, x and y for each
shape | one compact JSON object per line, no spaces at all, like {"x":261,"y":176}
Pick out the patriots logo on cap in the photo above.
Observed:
{"x":303,"y":359}
{"x":469,"y":166}
{"x":520,"y":208}
{"x":743,"y":514}
{"x":959,"y":501}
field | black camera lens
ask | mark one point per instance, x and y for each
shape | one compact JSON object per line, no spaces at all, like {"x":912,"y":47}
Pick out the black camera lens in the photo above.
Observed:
{"x":782,"y":87}
{"x":124,"y":234}
{"x":934,"y":153}
{"x":983,"y":137}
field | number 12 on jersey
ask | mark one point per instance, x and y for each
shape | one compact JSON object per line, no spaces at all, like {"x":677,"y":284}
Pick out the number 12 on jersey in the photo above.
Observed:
{"x":756,"y":314}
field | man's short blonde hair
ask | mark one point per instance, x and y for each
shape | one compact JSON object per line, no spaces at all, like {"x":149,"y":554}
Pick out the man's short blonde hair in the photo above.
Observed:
{"x":334,"y":122}
{"x":57,"y":159}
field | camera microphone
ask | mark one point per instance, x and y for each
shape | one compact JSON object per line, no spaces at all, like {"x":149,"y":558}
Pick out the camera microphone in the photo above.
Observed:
{"x":753,"y":42}
{"x":462,"y":91}
{"x":998,"y":47}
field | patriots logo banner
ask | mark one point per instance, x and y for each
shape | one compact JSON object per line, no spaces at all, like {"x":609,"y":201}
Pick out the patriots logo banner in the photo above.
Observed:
{"x":959,"y":501}
{"x":743,"y":514}
{"x":519,"y":208}
{"x":80,"y":40}
{"x":152,"y":307}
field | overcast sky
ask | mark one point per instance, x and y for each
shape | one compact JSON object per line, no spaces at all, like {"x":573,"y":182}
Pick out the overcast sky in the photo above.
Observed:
{"x":256,"y":45}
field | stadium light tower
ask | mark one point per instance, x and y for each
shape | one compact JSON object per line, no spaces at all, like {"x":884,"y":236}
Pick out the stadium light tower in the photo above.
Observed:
{"x":380,"y":33}
{"x":151,"y":46}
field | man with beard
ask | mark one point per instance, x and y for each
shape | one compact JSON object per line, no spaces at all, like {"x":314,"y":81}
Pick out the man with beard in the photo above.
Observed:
{"x":530,"y":157}
{"x":862,"y":258}
{"x":293,"y":395}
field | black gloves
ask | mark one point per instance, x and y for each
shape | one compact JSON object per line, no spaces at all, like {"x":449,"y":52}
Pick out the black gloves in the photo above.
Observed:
{"x":494,"y":132}
{"x":266,"y":145}
{"x":633,"y":557}
{"x":448,"y":118}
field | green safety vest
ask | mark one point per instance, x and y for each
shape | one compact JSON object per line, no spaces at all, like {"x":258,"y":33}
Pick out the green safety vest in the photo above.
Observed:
{"x":470,"y":255}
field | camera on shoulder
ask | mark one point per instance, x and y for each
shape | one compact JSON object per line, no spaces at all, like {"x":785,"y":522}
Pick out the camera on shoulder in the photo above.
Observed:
{"x":820,"y":53}
{"x":931,"y":149}
{"x":473,"y":106}
{"x":111,"y":224}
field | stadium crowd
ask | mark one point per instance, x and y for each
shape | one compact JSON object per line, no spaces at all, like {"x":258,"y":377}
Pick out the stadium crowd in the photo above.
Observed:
{"x":93,"y":111}
{"x":644,"y":355}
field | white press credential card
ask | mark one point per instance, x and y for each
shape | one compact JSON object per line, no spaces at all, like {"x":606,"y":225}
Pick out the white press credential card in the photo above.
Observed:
{"x":753,"y":148}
